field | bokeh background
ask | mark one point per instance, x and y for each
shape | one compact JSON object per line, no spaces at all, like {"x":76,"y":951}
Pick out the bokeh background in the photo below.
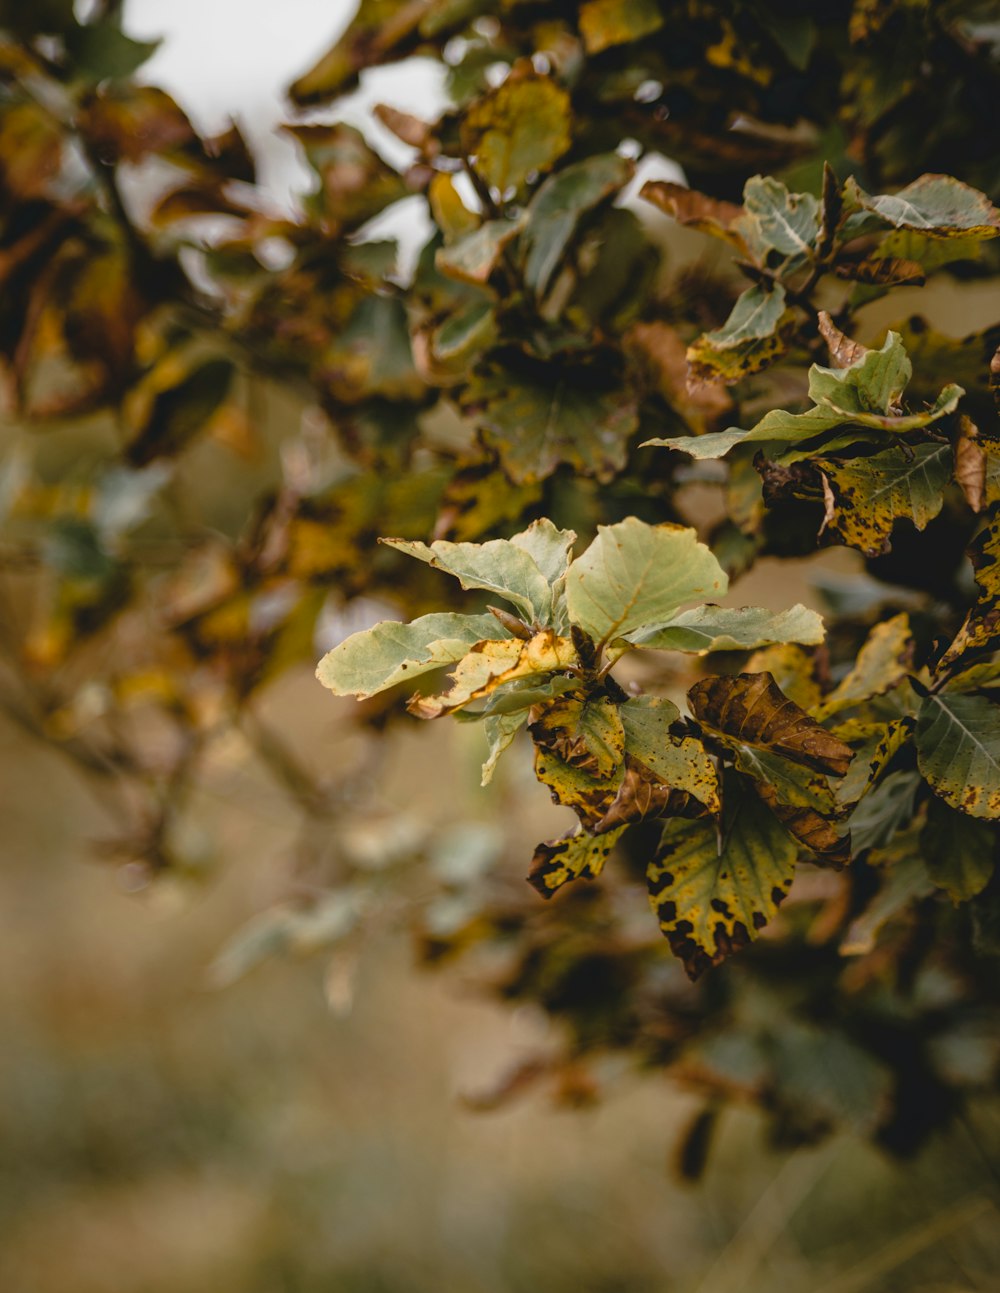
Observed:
{"x":169,"y":1125}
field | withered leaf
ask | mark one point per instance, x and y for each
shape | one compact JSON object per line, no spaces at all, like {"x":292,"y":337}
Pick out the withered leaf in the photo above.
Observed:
{"x":642,"y":794}
{"x":751,"y":708}
{"x":590,"y":797}
{"x":584,"y":733}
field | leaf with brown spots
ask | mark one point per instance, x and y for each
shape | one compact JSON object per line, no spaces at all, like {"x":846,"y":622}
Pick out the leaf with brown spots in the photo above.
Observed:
{"x":585,"y":734}
{"x":574,"y":857}
{"x":958,"y":751}
{"x":843,"y":351}
{"x":590,"y":797}
{"x":877,"y":746}
{"x":870,"y":494}
{"x":802,"y":800}
{"x":681,"y":762}
{"x":751,"y":339}
{"x":881,"y":271}
{"x":981,"y":628}
{"x":711,"y":901}
{"x":490,"y":665}
{"x":750,"y":707}
{"x":794,"y":670}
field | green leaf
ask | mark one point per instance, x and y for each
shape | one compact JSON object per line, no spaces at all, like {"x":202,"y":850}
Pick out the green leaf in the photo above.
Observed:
{"x":636,"y":575}
{"x":866,"y":395}
{"x":884,"y":811}
{"x":936,"y":204}
{"x":721,"y":628}
{"x":681,"y":762}
{"x":521,"y":127}
{"x":500,"y":566}
{"x":547,"y":546}
{"x":374,"y":659}
{"x":747,"y":342}
{"x":777,"y":220}
{"x":557,"y":209}
{"x":574,"y":857}
{"x":500,"y":732}
{"x":101,"y":51}
{"x":711,"y":901}
{"x":870,"y":494}
{"x":474,"y":258}
{"x":960,"y":852}
{"x":536,"y":423}
{"x":958,"y":751}
{"x":372,"y":354}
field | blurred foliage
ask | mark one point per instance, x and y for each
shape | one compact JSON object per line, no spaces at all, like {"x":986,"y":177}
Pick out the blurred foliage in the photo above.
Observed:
{"x":170,"y":550}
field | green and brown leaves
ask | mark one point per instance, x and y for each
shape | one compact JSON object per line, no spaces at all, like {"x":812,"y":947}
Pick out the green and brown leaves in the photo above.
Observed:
{"x":958,"y":751}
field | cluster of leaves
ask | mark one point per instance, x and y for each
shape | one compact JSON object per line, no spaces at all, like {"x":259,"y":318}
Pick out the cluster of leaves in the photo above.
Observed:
{"x":236,"y":401}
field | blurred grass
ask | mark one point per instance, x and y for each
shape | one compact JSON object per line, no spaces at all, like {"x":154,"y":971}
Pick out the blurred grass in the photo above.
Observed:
{"x":156,"y":1137}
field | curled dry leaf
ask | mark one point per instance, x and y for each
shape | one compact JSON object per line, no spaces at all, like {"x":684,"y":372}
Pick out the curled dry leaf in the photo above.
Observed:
{"x":970,"y":464}
{"x":843,"y":351}
{"x":751,"y":708}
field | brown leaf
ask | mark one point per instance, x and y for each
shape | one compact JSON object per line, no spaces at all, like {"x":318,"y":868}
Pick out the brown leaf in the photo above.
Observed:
{"x":688,"y":207}
{"x":752,"y":708}
{"x":995,"y":376}
{"x":808,"y":826}
{"x":886,"y":271}
{"x":643,"y":795}
{"x":411,"y":130}
{"x":661,"y":351}
{"x":843,"y":351}
{"x":970,"y":464}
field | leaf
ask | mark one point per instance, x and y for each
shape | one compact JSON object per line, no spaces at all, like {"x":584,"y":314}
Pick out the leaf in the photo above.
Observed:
{"x":958,"y":751}
{"x":721,"y":628}
{"x":101,"y":50}
{"x":749,"y":707}
{"x":519,"y":128}
{"x":747,"y":342}
{"x":661,"y":354}
{"x":905,"y":881}
{"x":636,"y":575}
{"x":681,"y":762}
{"x":379,"y":29}
{"x":578,"y":856}
{"x":881,"y":271}
{"x":959,"y":852}
{"x":604,"y":23}
{"x":474,"y":258}
{"x":873,"y":756}
{"x":557,"y":208}
{"x":802,"y":801}
{"x":179,"y":413}
{"x":491,"y":664}
{"x":547,"y":546}
{"x":590,"y":797}
{"x":500,"y":732}
{"x":884,"y":811}
{"x":537,"y":423}
{"x":696,"y":211}
{"x":355,"y":184}
{"x":500,"y":566}
{"x":936,"y":204}
{"x":843,"y":351}
{"x":374,"y":659}
{"x":584,"y":733}
{"x":710,"y":902}
{"x":372,"y":354}
{"x":871,"y":494}
{"x":776,"y":220}
{"x":883,"y":661}
{"x":641,"y":795}
{"x":970,"y":464}
{"x":793,"y":669}
{"x":981,"y":628}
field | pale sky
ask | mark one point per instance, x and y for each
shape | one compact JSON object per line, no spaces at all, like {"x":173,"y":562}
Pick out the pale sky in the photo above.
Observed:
{"x":223,"y":58}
